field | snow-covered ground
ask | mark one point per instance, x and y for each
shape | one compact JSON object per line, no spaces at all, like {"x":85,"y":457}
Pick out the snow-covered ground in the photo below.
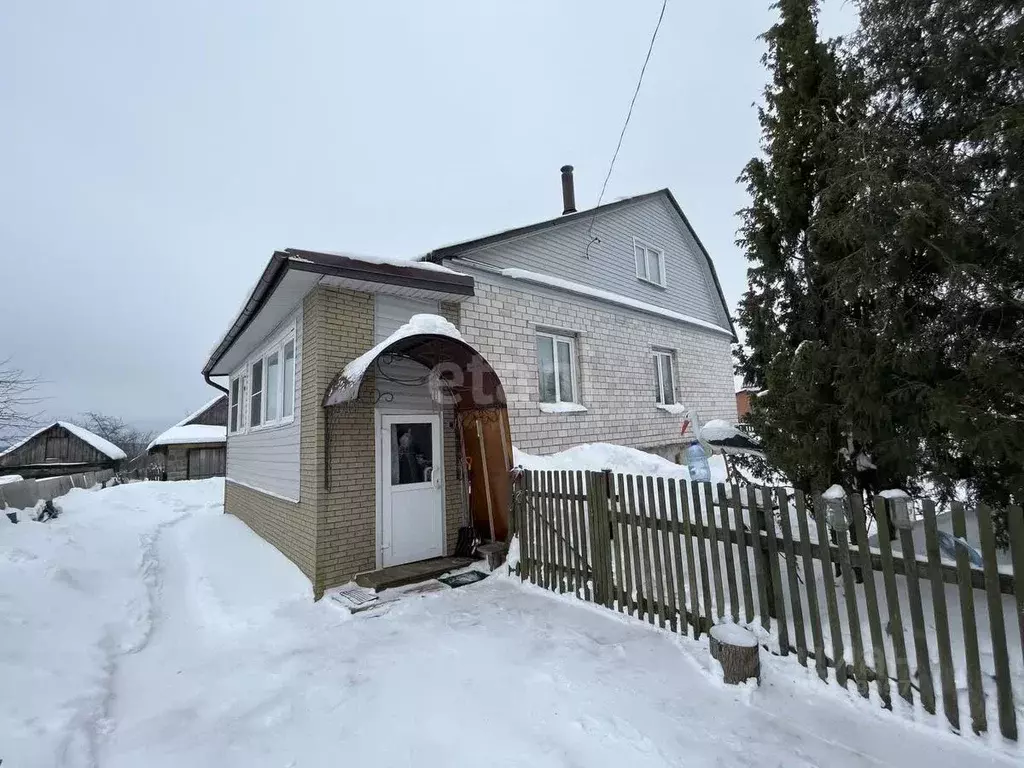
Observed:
{"x":145,"y":628}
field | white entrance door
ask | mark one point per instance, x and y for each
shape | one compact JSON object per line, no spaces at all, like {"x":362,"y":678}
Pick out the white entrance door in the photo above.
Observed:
{"x":412,"y":488}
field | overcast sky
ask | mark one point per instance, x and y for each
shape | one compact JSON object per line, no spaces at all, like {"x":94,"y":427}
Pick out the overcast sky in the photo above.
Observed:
{"x":154,"y":154}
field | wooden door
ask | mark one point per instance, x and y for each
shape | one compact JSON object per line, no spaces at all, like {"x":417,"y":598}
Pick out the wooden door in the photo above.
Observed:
{"x":205,"y":462}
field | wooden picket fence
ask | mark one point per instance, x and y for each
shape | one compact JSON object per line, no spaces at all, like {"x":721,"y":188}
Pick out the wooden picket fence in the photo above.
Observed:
{"x":685,"y":556}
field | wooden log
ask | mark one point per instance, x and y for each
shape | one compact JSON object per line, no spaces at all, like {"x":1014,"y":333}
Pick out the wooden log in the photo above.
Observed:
{"x":975,"y":692}
{"x":736,"y":649}
{"x":1000,"y":655}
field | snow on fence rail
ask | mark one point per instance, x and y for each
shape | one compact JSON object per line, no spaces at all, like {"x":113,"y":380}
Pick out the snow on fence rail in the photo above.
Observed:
{"x":25,"y":494}
{"x":692,"y":555}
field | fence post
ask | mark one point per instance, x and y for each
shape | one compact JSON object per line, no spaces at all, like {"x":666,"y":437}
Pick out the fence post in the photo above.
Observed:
{"x":600,"y":546}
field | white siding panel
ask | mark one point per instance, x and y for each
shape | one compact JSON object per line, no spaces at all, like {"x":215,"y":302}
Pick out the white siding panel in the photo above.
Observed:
{"x":268,"y":459}
{"x":562,"y":251}
{"x":392,"y":312}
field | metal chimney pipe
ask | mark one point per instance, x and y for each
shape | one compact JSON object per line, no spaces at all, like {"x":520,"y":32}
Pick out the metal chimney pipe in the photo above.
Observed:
{"x":568,"y":191}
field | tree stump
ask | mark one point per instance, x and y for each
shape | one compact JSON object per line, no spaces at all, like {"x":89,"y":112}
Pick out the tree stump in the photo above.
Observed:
{"x":736,"y":649}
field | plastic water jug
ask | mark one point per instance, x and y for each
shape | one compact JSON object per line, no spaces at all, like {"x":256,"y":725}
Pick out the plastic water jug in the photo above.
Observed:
{"x":697,"y":462}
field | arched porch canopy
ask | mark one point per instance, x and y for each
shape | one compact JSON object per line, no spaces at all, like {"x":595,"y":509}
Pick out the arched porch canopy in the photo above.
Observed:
{"x":437,"y":345}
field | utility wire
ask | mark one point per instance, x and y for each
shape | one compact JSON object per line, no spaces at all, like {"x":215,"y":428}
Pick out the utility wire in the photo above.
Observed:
{"x":629,"y":114}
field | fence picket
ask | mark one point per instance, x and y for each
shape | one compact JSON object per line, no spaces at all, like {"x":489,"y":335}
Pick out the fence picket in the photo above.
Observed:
{"x":1015,"y":517}
{"x":637,"y":538}
{"x":645,"y":551}
{"x":584,"y":536}
{"x":657,"y":571}
{"x":577,"y":565}
{"x":1000,"y":656}
{"x":702,"y":555}
{"x":892,"y":600}
{"x":768,"y":525}
{"x":813,"y":610}
{"x":860,"y":667}
{"x":828,"y":579}
{"x":975,"y":693}
{"x":924,"y":665}
{"x":871,"y":601}
{"x":716,"y":559}
{"x":625,"y":516}
{"x":949,"y":701}
{"x":619,"y":527}
{"x":748,"y":595}
{"x":795,"y":603}
{"x":665,"y":545}
{"x":675,"y":534}
{"x":562,"y":532}
{"x":761,"y":569}
{"x":730,"y":561}
{"x":528,"y":559}
{"x":691,"y":566}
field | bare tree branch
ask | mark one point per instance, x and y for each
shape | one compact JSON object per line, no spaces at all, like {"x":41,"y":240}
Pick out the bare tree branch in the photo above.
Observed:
{"x":18,"y":400}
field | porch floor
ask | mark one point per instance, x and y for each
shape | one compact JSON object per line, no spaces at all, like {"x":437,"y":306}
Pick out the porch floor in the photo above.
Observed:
{"x":410,"y":573}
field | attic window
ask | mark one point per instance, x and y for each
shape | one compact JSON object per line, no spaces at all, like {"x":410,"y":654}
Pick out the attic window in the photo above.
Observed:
{"x":650,"y":263}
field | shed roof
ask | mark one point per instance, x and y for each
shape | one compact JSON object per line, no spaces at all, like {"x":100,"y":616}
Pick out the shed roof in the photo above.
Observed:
{"x":102,"y":445}
{"x":190,"y":434}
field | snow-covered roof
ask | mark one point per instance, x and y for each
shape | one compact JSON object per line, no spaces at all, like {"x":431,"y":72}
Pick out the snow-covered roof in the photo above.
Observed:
{"x":105,"y":447}
{"x":185,"y":434}
{"x":192,"y":415}
{"x":346,"y":387}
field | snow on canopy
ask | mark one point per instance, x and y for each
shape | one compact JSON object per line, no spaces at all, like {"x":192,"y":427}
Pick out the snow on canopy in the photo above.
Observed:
{"x":105,"y":447}
{"x":182,"y":434}
{"x":347,"y":385}
{"x":834,"y":492}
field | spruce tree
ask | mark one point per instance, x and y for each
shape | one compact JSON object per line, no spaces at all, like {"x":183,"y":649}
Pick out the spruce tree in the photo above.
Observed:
{"x":792,"y":319}
{"x":932,"y":205}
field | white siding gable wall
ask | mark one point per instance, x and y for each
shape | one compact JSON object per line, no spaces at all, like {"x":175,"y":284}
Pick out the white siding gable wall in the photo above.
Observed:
{"x":267,"y":459}
{"x":390,"y":313}
{"x":561,"y":251}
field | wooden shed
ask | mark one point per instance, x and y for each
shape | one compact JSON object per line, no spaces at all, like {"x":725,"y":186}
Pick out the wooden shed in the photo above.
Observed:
{"x":61,"y":448}
{"x":194,"y":448}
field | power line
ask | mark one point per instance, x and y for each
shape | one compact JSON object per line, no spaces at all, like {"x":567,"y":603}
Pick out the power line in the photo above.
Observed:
{"x":629,"y":114}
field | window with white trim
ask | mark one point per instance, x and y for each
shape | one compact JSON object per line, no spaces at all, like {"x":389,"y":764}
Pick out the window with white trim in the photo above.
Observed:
{"x":234,"y":408}
{"x":556,"y":362}
{"x":650,"y":263}
{"x":256,"y":393}
{"x":271,"y":389}
{"x":664,"y":377}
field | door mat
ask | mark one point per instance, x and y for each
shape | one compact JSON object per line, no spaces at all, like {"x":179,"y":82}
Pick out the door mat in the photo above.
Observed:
{"x":462,"y":579}
{"x":354,"y":598}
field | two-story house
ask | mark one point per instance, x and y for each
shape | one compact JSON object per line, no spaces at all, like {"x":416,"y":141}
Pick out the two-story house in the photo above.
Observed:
{"x":373,"y":402}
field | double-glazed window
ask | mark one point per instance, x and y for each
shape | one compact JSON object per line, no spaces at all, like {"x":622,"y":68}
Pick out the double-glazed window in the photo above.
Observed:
{"x":556,"y":359}
{"x":263,"y":393}
{"x":664,"y":377}
{"x":650,"y":263}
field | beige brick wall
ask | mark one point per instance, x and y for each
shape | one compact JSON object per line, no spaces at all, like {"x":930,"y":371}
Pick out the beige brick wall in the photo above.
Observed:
{"x":455,"y":514}
{"x":282,"y":523}
{"x":615,"y":369}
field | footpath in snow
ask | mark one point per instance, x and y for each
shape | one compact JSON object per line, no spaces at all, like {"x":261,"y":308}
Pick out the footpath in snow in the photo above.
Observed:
{"x":146,"y":628}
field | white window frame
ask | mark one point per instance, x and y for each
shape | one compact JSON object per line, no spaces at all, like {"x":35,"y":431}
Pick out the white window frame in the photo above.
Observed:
{"x":555,"y":338}
{"x":236,"y":403}
{"x":639,"y":246}
{"x":278,"y":345}
{"x":661,"y":358}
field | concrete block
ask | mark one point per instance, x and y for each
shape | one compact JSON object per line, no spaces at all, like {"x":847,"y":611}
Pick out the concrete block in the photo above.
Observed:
{"x":23,"y":495}
{"x":48,"y":488}
{"x":78,"y":480}
{"x":89,"y":479}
